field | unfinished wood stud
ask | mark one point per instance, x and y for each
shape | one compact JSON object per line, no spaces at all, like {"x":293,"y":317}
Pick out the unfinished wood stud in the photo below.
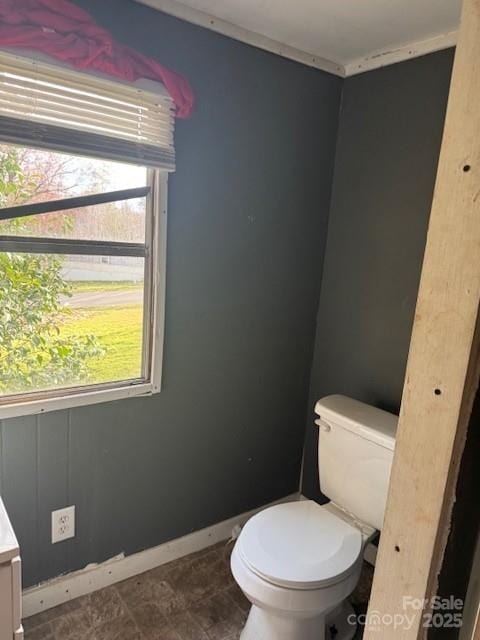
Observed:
{"x":445,"y":342}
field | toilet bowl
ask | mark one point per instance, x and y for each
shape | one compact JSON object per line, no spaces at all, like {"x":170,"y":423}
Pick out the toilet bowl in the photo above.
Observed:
{"x":297,"y":563}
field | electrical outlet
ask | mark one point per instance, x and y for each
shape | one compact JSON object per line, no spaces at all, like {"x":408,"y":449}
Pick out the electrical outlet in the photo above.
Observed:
{"x":63,"y":524}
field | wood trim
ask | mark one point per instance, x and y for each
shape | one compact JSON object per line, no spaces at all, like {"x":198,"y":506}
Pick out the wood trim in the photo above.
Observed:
{"x":476,"y":632}
{"x":372,"y":60}
{"x":443,"y":366}
{"x":80,"y":397}
{"x":213,"y":23}
{"x":377,"y":59}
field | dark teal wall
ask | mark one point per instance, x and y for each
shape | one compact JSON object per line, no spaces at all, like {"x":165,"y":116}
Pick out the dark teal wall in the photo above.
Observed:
{"x":387,"y":151}
{"x":248,"y":211}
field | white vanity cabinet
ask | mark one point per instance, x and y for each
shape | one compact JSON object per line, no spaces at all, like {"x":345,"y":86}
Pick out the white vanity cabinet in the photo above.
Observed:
{"x":10,"y":581}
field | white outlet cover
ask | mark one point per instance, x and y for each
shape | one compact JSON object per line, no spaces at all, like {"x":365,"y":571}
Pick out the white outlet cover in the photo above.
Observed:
{"x":63,"y":524}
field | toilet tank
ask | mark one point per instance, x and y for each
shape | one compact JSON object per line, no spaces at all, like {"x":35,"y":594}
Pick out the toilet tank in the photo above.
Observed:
{"x":355,"y":453}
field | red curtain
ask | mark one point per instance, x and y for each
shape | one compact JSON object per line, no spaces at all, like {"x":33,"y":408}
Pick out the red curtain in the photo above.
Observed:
{"x":64,"y":31}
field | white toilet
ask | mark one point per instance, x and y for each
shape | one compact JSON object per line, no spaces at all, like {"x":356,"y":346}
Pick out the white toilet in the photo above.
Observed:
{"x":297,"y":563}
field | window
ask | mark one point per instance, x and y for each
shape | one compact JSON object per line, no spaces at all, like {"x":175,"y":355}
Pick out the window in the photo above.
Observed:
{"x":83,"y":166}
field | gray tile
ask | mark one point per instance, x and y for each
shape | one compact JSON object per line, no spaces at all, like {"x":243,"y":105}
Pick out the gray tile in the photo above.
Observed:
{"x":169,"y":601}
{"x":167,"y":632}
{"x":225,"y":551}
{"x":152,"y":623}
{"x":72,"y":626}
{"x":138,"y":590}
{"x":226,"y":630}
{"x":103,"y":605}
{"x":190,"y":584}
{"x":206,"y":560}
{"x":161,"y":571}
{"x":51,"y":614}
{"x":235,"y":593}
{"x":123,"y":628}
{"x":192,"y":598}
{"x":219,"y":575}
{"x":42,"y":632}
{"x":217,"y":609}
{"x":187,"y":627}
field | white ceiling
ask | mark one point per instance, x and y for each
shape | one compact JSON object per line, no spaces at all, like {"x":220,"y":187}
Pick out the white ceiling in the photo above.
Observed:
{"x":350,"y":35}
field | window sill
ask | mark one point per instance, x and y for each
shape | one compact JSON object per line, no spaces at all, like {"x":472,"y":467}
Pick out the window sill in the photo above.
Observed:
{"x":44,"y":405}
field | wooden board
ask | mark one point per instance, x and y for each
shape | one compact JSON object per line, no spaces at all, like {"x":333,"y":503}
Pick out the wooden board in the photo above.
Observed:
{"x":476,"y":633}
{"x":443,"y":365}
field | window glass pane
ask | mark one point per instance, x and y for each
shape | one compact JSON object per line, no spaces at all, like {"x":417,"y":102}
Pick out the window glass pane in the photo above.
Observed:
{"x":116,"y":221}
{"x":69,"y":321}
{"x":30,"y":175}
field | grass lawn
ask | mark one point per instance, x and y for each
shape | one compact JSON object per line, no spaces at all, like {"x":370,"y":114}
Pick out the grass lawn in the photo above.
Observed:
{"x":93,"y":286}
{"x":119,"y":330}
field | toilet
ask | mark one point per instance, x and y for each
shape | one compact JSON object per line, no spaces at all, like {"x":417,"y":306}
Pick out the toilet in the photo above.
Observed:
{"x":297,"y":563}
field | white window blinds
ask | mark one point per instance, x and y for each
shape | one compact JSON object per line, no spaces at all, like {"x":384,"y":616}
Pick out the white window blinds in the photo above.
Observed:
{"x":48,"y":106}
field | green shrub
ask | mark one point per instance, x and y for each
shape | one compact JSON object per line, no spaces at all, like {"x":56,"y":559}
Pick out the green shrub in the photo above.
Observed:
{"x":33,"y":354}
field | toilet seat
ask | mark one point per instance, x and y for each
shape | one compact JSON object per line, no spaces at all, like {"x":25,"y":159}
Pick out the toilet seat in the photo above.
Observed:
{"x":300,"y":545}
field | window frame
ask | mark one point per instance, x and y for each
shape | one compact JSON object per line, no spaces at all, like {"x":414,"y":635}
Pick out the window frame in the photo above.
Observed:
{"x":39,"y":402}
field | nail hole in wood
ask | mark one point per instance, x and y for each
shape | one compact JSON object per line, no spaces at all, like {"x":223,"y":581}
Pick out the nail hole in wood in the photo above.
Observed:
{"x":466,"y":168}
{"x":397,"y":548}
{"x":438,"y":392}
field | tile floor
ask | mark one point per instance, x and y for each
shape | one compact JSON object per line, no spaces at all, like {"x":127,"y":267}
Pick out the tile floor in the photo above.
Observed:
{"x":193,"y":598}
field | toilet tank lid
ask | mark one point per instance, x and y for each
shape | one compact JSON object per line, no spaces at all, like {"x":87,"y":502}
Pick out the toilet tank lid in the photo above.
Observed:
{"x":366,"y":421}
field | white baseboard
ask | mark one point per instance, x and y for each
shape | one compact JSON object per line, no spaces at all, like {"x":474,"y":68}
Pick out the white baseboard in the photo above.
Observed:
{"x":96,"y":576}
